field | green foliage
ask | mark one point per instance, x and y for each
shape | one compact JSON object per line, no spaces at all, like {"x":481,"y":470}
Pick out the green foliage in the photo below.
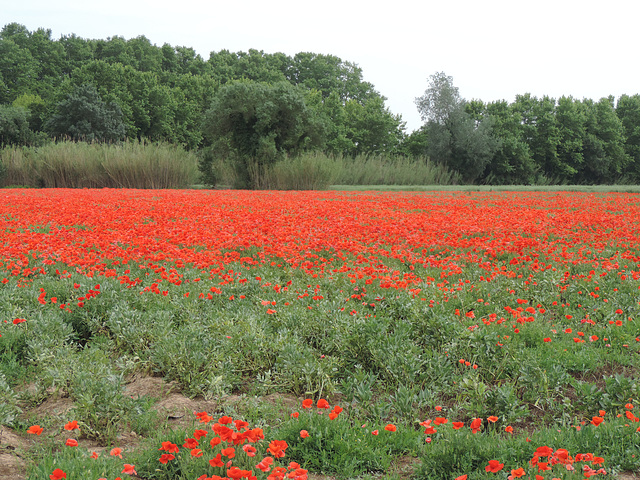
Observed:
{"x":261,"y":123}
{"x":9,"y":401}
{"x":628,"y":111}
{"x":100,"y":405}
{"x":84,"y":116}
{"x":512,"y":163}
{"x":14,"y":126}
{"x":343,"y":447}
{"x":455,"y":138}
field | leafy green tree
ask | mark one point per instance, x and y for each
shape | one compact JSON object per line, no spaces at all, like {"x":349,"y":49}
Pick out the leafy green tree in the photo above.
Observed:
{"x":372,"y":128}
{"x":83,"y":115}
{"x":35,"y":107}
{"x":78,"y":51}
{"x":18,"y":70}
{"x":416,"y":143}
{"x":14,"y":126}
{"x":114,"y":50}
{"x":333,"y":114}
{"x":628,"y":111}
{"x":541,"y":132}
{"x":571,"y":130}
{"x":440,"y":99}
{"x":147,"y":57}
{"x":512,"y":163}
{"x":603,"y":146}
{"x":455,"y":138}
{"x":261,"y":123}
{"x":329,"y":74}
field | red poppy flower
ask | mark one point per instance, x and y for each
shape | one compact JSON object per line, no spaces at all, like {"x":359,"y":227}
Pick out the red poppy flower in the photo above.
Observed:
{"x":390,"y":428}
{"x":225,"y":420}
{"x":229,"y":452}
{"x":116,"y":452}
{"x":71,"y":442}
{"x":308,"y":403}
{"x":166,"y":457}
{"x":57,"y":474}
{"x":323,"y":404}
{"x":518,"y":472}
{"x":198,"y":434}
{"x":169,"y":447}
{"x":304,"y":434}
{"x":249,"y":450}
{"x":476,"y":424}
{"x":35,"y":429}
{"x":71,"y":425}
{"x":277,"y":448}
{"x":190,"y":443}
{"x":494,"y":466}
{"x":129,"y":469}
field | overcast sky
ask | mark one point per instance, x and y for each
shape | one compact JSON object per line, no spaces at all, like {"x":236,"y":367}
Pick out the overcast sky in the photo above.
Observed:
{"x":493,"y":49}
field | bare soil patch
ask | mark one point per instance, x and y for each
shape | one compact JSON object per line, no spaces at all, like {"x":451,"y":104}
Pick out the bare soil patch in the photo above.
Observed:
{"x":12,"y":467}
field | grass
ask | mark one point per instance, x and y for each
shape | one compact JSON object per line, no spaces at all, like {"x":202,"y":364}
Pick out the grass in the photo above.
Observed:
{"x":317,"y":171}
{"x":137,"y":164}
{"x":516,"y":314}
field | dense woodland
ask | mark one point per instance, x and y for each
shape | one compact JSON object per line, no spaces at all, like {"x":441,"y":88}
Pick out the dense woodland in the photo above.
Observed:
{"x":265,"y":107}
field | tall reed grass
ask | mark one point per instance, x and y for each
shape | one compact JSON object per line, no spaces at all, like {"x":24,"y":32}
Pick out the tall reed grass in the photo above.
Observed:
{"x":317,"y":171}
{"x":132,"y":164}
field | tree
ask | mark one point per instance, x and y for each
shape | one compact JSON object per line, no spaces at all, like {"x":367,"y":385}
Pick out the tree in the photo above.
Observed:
{"x":571,"y":129}
{"x":455,"y":138}
{"x":416,"y":144}
{"x":261,"y":123}
{"x":604,"y":155}
{"x":35,"y":107}
{"x":372,"y":128}
{"x":541,"y":132}
{"x":14,"y":126}
{"x":83,"y":115}
{"x":512,"y":163}
{"x":18,"y":70}
{"x":628,"y":111}
{"x":439,"y":100}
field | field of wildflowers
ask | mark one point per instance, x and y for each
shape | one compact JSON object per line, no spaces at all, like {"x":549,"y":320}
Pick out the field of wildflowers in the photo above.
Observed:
{"x":482,"y":334}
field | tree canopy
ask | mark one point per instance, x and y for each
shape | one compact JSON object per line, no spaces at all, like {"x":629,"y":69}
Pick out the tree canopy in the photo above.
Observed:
{"x":261,"y":123}
{"x":91,"y":88}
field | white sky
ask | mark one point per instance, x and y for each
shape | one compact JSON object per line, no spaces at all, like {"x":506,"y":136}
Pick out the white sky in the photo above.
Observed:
{"x":493,"y":49}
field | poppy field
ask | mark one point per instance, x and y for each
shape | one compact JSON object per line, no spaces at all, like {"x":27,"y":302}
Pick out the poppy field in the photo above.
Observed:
{"x":478,"y":334}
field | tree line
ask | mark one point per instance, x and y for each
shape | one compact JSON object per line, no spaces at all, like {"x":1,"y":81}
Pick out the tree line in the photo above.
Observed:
{"x":257,"y":108}
{"x":532,"y":140}
{"x":134,"y":89}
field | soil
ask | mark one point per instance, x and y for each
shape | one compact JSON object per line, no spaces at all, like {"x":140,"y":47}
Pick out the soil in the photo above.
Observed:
{"x":12,"y":467}
{"x":177,"y":410}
